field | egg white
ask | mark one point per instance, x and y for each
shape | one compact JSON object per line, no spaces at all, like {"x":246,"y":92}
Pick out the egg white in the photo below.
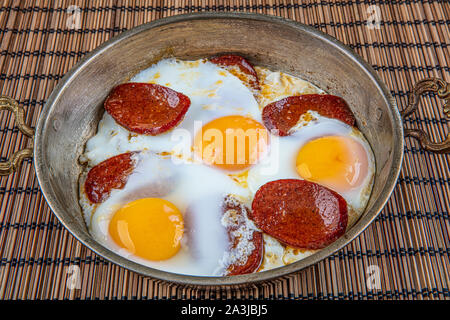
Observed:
{"x":277,"y":85}
{"x":277,"y":255}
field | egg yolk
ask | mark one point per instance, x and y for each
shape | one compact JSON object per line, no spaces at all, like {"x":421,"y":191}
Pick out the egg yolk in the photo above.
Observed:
{"x":150,"y":228}
{"x":231,"y":143}
{"x":337,"y":162}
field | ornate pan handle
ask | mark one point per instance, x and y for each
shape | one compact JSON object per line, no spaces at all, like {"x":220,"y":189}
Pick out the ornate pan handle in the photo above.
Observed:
{"x":442,"y":89}
{"x":9,"y":166}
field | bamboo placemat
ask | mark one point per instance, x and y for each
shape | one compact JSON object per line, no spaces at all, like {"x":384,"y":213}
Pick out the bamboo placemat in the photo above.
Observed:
{"x":409,"y":241}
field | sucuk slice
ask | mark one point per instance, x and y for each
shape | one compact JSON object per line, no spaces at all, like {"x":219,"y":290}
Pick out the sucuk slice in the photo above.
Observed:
{"x":107,"y":175}
{"x":300,"y":213}
{"x":146,"y":108}
{"x":284,"y":114}
{"x":231,"y":61}
{"x":242,"y":237}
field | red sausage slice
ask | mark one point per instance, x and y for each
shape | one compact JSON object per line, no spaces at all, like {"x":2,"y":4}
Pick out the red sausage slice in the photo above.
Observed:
{"x":107,"y":175}
{"x":238,"y":232}
{"x":300,"y":213}
{"x":146,"y":108}
{"x":285,"y":113}
{"x":231,"y":61}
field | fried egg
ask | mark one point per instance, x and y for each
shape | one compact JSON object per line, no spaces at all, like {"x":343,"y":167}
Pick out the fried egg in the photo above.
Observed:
{"x":324,"y":151}
{"x":318,"y":149}
{"x":183,"y":176}
{"x":180,"y":203}
{"x":214,"y":93}
{"x":282,"y":163}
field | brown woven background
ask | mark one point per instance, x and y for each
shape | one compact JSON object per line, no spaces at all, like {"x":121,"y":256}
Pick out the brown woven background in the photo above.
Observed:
{"x":409,"y":241}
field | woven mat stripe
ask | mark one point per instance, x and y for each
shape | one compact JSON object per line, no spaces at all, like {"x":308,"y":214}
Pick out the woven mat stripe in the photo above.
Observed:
{"x":409,"y":241}
{"x":215,"y":7}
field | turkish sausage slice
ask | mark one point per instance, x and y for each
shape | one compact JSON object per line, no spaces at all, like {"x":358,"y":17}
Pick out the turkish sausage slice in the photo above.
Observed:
{"x":146,"y":108}
{"x":234,"y":63}
{"x":107,"y":175}
{"x":246,"y":243}
{"x":299,"y":213}
{"x":284,"y":114}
